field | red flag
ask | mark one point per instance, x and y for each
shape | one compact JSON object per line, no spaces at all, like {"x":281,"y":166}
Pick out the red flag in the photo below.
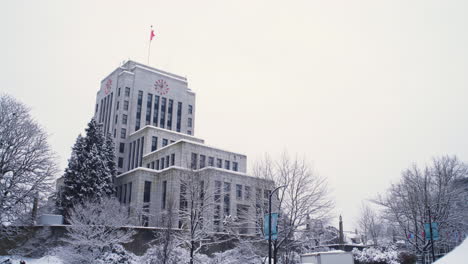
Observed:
{"x":152,"y":35}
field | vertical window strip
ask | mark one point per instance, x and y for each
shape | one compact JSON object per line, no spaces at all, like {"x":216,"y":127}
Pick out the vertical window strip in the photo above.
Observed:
{"x":179,"y":116}
{"x":149,"y":105}
{"x":156,"y":110}
{"x":138,"y":112}
{"x":133,"y":154}
{"x":163,"y":112}
{"x":169,"y":114}
{"x":141,"y":149}
{"x":110,"y":112}
{"x":129,"y":155}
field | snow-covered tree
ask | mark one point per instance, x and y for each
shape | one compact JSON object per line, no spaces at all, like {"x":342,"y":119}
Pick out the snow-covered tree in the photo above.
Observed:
{"x":306,"y":196}
{"x":371,"y":225}
{"x":27,"y":164}
{"x":196,"y":207}
{"x":437,"y":193}
{"x":164,"y":249}
{"x":91,"y":169}
{"x":96,"y":229}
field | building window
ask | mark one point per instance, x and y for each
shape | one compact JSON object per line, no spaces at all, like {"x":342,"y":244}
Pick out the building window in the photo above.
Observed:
{"x":202,"y":161}
{"x":239,"y":192}
{"x":118,"y":92}
{"x":217,"y":191}
{"x":125,"y":105}
{"x":227,"y":187}
{"x":172,"y":159}
{"x":154,"y":143}
{"x":138,"y":110}
{"x":190,"y":109}
{"x":227,"y":199}
{"x":247,"y":192}
{"x":152,"y":165}
{"x":122,"y":147}
{"x":123,"y":133}
{"x":129,"y":154}
{"x":149,"y":105}
{"x":235,"y":166}
{"x":118,"y":105}
{"x":193,"y":165}
{"x":164,"y":142}
{"x":120,"y":162}
{"x":156,"y":110}
{"x":162,"y":163}
{"x":167,"y":161}
{"x":124,"y":119}
{"x":169,"y":114}
{"x":163,"y":112}
{"x":227,"y":164}
{"x":183,"y":198}
{"x":130,"y":192}
{"x":189,"y":122}
{"x":157,"y":164}
{"x":127,"y":91}
{"x":116,"y":119}
{"x":189,"y":132}
{"x":125,"y":194}
{"x":97,"y":107}
{"x":219,"y":163}
{"x":164,"y":190}
{"x":115,"y":132}
{"x":217,"y":217}
{"x":147,"y":192}
{"x":179,"y":116}
{"x":210,"y":161}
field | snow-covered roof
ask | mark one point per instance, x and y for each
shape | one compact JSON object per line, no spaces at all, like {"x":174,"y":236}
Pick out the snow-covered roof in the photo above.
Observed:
{"x":324,"y":253}
{"x":193,"y":143}
{"x":165,"y":130}
{"x":186,"y":169}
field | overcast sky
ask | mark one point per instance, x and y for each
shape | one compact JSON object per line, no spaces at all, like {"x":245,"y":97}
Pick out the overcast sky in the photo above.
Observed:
{"x":361,"y":88}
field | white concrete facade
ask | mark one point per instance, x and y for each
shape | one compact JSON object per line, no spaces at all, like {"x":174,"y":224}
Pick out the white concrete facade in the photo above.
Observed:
{"x":156,"y":149}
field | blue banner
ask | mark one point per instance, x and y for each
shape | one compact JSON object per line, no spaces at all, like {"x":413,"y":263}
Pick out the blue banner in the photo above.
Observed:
{"x":274,"y":226}
{"x":435,"y":231}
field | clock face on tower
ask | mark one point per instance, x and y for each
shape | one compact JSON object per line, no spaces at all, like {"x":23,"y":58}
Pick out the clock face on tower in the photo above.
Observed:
{"x":161,"y":87}
{"x":107,"y":86}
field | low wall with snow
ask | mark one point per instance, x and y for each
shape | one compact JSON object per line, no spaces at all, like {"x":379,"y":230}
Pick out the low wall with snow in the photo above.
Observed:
{"x":40,"y":239}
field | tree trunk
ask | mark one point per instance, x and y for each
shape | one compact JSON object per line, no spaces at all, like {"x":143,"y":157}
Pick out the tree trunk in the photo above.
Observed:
{"x":192,"y":247}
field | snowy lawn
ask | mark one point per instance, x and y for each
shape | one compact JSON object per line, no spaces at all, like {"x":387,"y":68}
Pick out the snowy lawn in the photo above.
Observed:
{"x":43,"y":260}
{"x":457,"y":256}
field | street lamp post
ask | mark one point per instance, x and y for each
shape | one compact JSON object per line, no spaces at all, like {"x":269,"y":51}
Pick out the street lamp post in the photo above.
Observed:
{"x":269,"y":222}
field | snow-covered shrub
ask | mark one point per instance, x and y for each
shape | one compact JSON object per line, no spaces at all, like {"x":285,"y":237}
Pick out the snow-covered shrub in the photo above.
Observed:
{"x":116,"y":255}
{"x":374,"y":255}
{"x":95,"y":229}
{"x":176,"y":255}
{"x":406,"y":258}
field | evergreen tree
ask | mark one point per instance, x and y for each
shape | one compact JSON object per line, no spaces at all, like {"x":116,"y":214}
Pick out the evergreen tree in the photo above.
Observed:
{"x":90,"y":170}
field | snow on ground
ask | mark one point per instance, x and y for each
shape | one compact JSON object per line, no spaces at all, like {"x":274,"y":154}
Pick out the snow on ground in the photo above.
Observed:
{"x":457,"y":256}
{"x":43,"y":260}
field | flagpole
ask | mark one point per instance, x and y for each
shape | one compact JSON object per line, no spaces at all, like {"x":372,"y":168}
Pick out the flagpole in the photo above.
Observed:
{"x":149,"y":50}
{"x":149,"y":44}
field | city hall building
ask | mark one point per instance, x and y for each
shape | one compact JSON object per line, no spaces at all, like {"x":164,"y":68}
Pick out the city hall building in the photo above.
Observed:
{"x":151,"y":115}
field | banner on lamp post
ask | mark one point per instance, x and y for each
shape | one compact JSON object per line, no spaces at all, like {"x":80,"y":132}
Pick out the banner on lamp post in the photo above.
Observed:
{"x":274,"y":226}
